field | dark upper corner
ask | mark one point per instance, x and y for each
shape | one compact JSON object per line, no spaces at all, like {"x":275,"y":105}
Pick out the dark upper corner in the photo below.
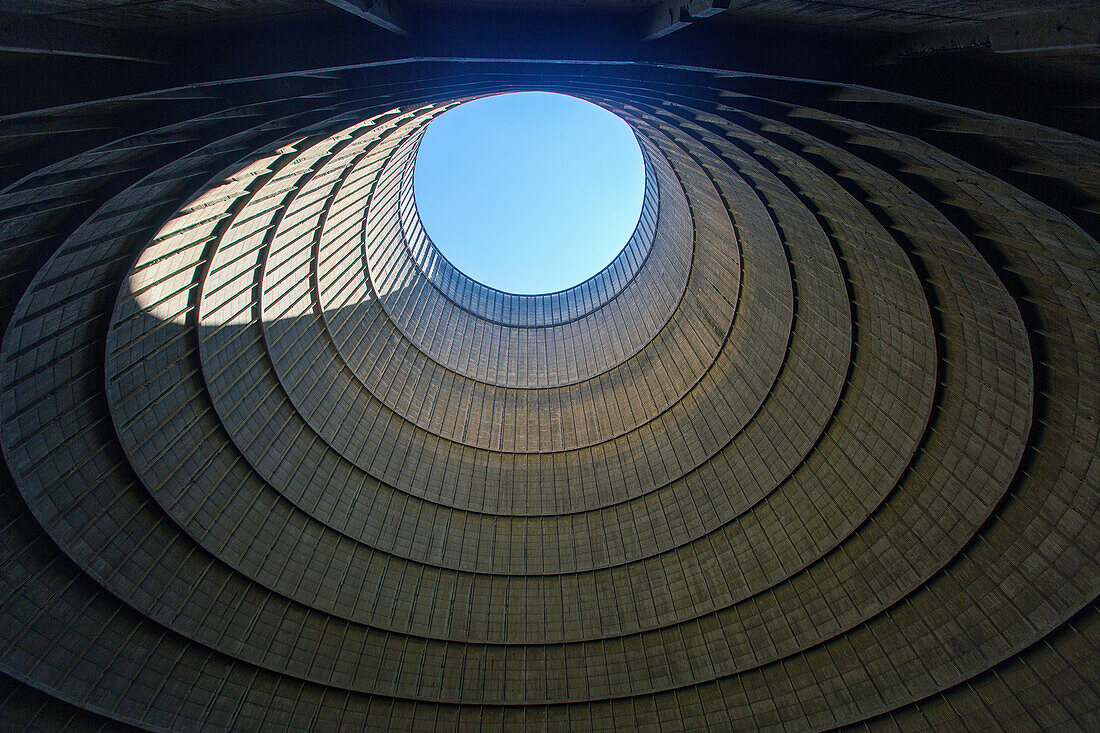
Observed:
{"x":1022,"y":57}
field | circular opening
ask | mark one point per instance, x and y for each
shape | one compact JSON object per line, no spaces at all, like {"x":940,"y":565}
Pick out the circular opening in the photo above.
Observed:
{"x":529,"y":192}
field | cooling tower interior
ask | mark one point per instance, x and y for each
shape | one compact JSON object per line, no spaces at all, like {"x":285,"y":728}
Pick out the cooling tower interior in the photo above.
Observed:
{"x":817,"y":450}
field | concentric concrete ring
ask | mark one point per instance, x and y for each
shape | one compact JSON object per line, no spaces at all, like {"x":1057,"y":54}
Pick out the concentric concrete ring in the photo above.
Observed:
{"x":818,"y":448}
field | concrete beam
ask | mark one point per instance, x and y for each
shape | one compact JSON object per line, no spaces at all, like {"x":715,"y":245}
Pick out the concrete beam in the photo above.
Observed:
{"x":1056,"y":31}
{"x":383,"y":13}
{"x":672,"y":15}
{"x":35,"y":34}
{"x":1038,"y":32}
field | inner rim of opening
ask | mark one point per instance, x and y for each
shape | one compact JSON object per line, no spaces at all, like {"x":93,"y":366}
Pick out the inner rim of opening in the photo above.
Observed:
{"x":529,"y":192}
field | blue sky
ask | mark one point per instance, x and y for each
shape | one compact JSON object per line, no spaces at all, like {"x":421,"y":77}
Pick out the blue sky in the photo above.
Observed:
{"x":529,"y":192}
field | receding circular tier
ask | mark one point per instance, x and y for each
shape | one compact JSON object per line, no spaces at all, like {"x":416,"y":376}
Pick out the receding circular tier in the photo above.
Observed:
{"x":529,"y":194}
{"x":511,"y":309}
{"x":801,"y":456}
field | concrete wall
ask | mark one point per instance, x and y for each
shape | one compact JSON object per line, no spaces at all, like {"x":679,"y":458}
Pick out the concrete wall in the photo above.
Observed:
{"x":818,"y":450}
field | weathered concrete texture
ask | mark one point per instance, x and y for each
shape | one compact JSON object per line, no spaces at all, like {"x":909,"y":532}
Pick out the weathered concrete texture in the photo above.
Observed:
{"x":818,"y":449}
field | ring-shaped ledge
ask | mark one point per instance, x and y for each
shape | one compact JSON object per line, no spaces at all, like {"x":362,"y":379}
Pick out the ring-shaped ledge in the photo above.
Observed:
{"x":525,"y":310}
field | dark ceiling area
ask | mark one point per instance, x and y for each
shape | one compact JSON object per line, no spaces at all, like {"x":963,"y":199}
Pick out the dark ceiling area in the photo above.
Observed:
{"x":990,"y":47}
